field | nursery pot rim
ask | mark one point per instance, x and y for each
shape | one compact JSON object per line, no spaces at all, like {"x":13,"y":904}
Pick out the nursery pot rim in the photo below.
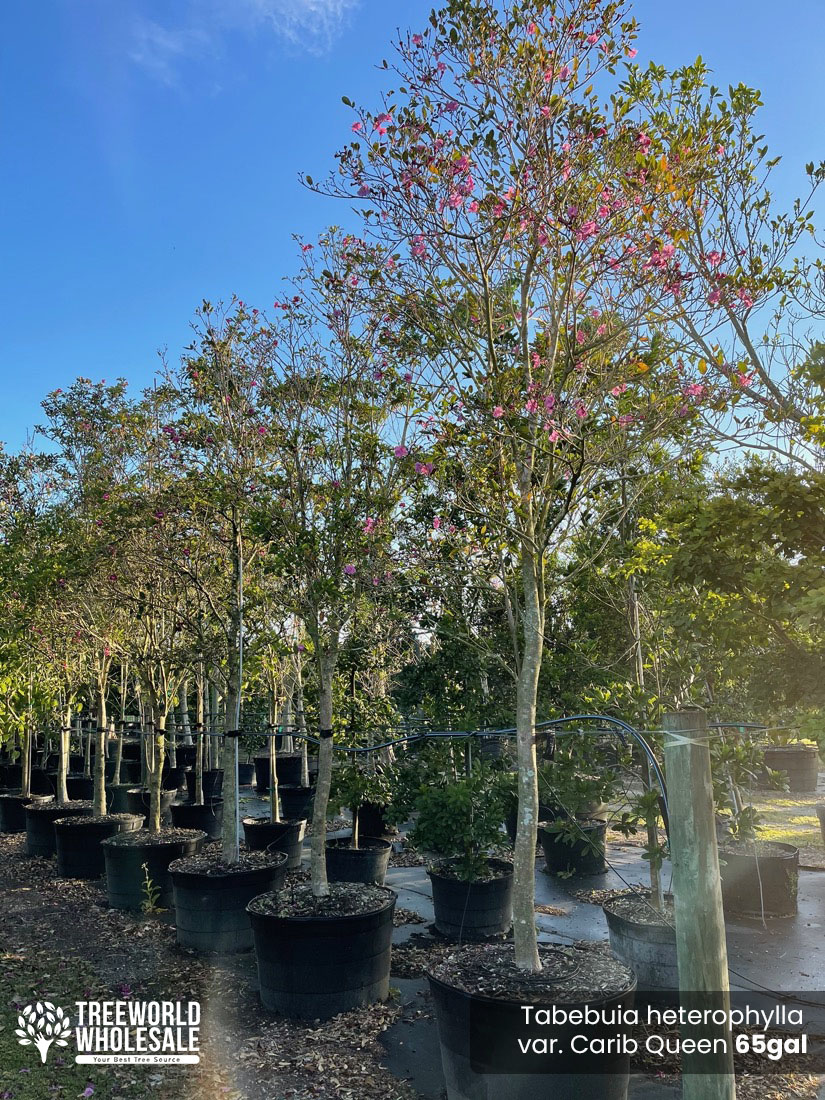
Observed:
{"x":367,"y":843}
{"x":504,"y":865}
{"x":235,"y":871}
{"x":321,"y":918}
{"x":153,"y":840}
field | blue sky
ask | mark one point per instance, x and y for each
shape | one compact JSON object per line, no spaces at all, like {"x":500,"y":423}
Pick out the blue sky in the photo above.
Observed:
{"x":151,"y":152}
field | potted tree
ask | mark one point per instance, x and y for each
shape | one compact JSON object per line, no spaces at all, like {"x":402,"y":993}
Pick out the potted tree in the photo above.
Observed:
{"x":459,"y":824}
{"x":340,"y":413}
{"x":359,"y":858}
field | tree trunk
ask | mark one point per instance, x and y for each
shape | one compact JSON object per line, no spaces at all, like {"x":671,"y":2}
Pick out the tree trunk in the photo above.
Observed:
{"x":300,"y":718}
{"x":183,"y":710}
{"x":99,"y":797}
{"x":26,"y":761}
{"x":158,"y":745}
{"x":64,"y":751}
{"x":274,"y":802}
{"x":524,"y":870}
{"x":231,"y":824}
{"x":318,"y":857}
{"x":199,"y":720}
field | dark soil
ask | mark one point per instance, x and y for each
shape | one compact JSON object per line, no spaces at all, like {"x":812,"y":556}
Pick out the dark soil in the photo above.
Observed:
{"x":750,"y":848}
{"x":213,"y":863}
{"x":345,"y":899}
{"x":97,"y":818}
{"x":640,"y":909}
{"x":72,"y":804}
{"x":143,"y":836}
{"x":447,"y":869}
{"x":569,"y":975}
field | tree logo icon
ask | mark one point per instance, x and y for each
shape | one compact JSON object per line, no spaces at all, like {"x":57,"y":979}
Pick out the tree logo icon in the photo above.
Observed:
{"x":42,"y":1024}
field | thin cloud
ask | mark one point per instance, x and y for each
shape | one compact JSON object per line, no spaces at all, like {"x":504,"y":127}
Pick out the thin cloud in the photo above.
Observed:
{"x":310,"y":25}
{"x":161,"y":50}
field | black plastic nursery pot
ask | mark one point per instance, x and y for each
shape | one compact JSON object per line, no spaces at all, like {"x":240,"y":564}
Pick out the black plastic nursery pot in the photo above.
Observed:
{"x":117,"y":797}
{"x":759,"y":880}
{"x":129,"y":771}
{"x":366,"y":863}
{"x":313,"y":966}
{"x":246,"y":773}
{"x":41,"y":782}
{"x":372,"y":822}
{"x":287,"y":767}
{"x":13,"y":810}
{"x":210,"y":902}
{"x":186,"y":754}
{"x":80,"y":786}
{"x":473,"y":910}
{"x":799,"y":762}
{"x":40,"y":819}
{"x":646,"y":942}
{"x":296,"y":801}
{"x":479,"y":1036}
{"x":131,"y":749}
{"x":209,"y":816}
{"x":11,"y":775}
{"x":547,"y":812}
{"x":290,"y":840}
{"x":212,"y":784}
{"x":172,"y":779}
{"x":125,"y":855}
{"x":260,"y":832}
{"x":78,"y":842}
{"x":580,"y":852}
{"x":138,"y":801}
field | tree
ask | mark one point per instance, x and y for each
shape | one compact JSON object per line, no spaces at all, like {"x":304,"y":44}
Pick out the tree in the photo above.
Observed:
{"x":523,"y":206}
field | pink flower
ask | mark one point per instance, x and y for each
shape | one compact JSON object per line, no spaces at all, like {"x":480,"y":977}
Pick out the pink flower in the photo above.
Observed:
{"x":498,"y":412}
{"x":617,"y":391}
{"x":553,"y":436}
{"x":349,"y":570}
{"x":643,"y":141}
{"x":715,"y":258}
{"x":356,"y":126}
{"x":417,"y":40}
{"x":381,"y":122}
{"x":401,"y":451}
{"x":744,"y":379}
{"x":532,"y":28}
{"x":580,"y":337}
{"x":550,"y":402}
{"x":592,"y":39}
{"x":262,"y":430}
{"x":581,"y":411}
{"x":694,"y":389}
{"x":715,"y":297}
{"x":419,"y":247}
{"x":564,"y":72}
{"x":631,"y":52}
{"x":363,"y":191}
{"x":408,"y":377}
{"x":436,"y":522}
{"x":745,"y":298}
{"x":473,"y":207}
{"x":369,"y":526}
{"x":532,"y":405}
{"x":587,"y":230}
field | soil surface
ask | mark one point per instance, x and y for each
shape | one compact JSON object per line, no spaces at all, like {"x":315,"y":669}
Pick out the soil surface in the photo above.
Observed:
{"x":213,"y":863}
{"x":345,"y":899}
{"x":641,"y":910}
{"x":143,"y":836}
{"x":576,"y":974}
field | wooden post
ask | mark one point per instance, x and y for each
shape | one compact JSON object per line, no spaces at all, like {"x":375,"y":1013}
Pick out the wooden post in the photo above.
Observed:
{"x":697,"y":896}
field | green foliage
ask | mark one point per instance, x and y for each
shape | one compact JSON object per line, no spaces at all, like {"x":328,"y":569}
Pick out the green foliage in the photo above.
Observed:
{"x":151,"y":893}
{"x":461,"y":821}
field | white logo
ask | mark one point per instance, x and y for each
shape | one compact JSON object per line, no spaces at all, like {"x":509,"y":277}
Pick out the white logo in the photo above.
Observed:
{"x":42,"y":1024}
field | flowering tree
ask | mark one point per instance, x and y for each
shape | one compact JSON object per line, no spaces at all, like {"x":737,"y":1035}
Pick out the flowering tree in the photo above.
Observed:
{"x":340,"y":409}
{"x":747,"y":301}
{"x":220,"y":439}
{"x":525,"y":210}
